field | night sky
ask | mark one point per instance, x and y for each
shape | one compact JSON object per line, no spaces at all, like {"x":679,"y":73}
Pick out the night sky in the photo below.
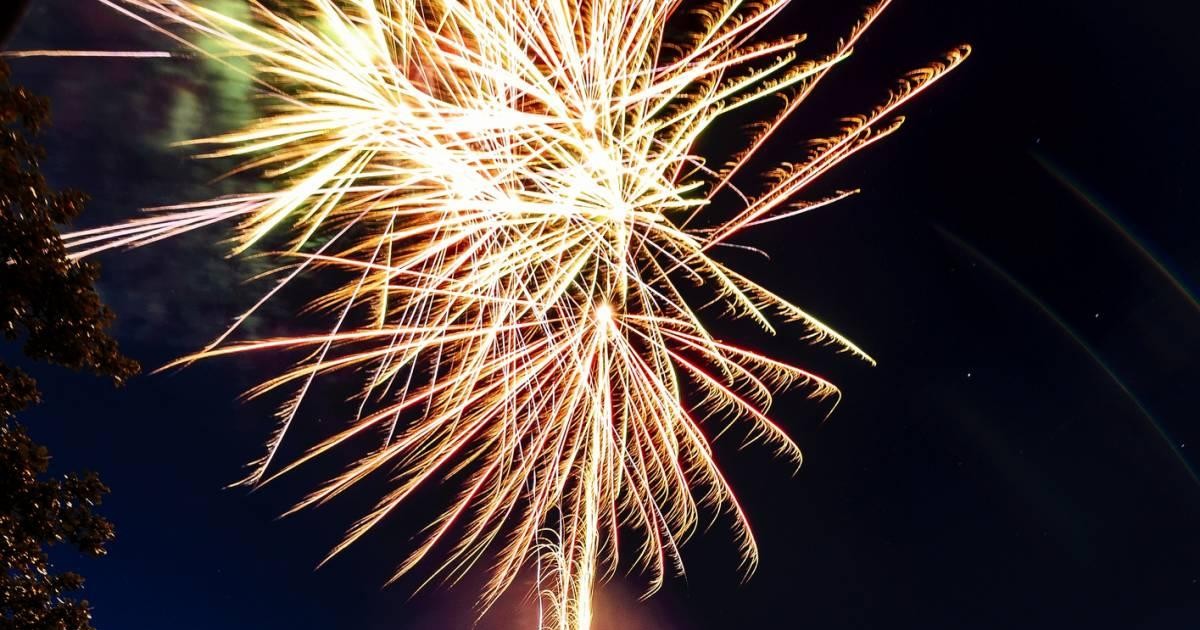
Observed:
{"x":1023,"y":262}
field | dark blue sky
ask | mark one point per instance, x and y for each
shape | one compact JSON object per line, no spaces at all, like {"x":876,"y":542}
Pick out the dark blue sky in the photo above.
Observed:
{"x":1023,"y":456}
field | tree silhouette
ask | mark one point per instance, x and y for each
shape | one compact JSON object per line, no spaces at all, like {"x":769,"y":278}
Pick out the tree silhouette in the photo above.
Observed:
{"x":47,"y":303}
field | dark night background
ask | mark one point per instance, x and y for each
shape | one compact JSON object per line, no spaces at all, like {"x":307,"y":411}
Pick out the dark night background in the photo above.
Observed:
{"x":1022,"y":263}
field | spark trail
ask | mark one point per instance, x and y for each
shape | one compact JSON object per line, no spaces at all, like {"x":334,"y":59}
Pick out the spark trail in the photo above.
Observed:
{"x":511,"y":191}
{"x":88,"y":54}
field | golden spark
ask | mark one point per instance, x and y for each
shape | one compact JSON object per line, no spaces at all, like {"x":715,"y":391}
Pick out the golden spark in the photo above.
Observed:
{"x":513,"y":191}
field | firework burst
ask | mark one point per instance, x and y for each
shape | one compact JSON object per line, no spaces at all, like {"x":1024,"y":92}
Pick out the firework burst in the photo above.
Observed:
{"x":512,"y":192}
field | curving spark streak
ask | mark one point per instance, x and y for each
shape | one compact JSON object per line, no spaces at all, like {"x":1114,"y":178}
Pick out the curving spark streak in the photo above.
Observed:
{"x":511,"y":189}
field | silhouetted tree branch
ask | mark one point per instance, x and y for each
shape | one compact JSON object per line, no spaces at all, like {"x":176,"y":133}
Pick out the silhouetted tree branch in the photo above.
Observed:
{"x":47,"y":302}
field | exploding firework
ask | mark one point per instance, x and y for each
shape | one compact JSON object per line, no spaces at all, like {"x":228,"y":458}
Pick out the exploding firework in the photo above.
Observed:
{"x":512,"y":192}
